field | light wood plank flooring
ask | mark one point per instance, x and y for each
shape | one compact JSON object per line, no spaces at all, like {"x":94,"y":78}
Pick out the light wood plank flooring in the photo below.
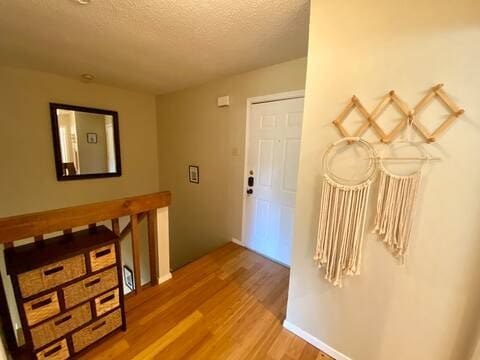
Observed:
{"x":229,"y":304}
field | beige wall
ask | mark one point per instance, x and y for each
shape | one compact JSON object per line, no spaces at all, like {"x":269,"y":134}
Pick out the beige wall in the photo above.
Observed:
{"x":193,"y":130}
{"x":27,"y":178}
{"x":27,"y":170}
{"x":427,"y":308}
{"x":476,"y":352}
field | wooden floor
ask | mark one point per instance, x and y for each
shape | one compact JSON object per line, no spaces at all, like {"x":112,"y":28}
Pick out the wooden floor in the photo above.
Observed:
{"x":229,"y":304}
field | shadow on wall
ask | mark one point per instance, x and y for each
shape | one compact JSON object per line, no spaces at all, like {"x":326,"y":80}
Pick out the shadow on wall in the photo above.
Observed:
{"x":468,"y":338}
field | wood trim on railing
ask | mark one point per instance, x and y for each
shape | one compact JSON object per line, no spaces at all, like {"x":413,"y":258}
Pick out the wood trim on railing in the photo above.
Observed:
{"x":116,"y":226}
{"x":153,"y":246}
{"x":30,"y":225}
{"x":136,"y":253}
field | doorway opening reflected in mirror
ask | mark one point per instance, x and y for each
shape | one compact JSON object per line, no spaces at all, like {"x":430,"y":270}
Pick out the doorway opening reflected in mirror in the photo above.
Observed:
{"x":86,"y":142}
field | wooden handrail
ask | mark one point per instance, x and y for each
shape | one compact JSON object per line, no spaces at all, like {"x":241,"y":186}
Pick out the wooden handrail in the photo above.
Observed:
{"x":36,"y":224}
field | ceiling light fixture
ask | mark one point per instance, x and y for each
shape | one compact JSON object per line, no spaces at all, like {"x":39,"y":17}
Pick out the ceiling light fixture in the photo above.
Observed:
{"x":87,"y":77}
{"x":83,"y":2}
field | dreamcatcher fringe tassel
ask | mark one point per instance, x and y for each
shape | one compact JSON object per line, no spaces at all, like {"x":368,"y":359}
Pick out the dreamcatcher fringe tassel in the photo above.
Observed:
{"x":395,"y":210}
{"x":341,"y":229}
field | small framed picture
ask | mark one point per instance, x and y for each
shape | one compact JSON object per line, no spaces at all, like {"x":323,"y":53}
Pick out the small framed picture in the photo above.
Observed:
{"x":129,"y":279}
{"x":193,"y":174}
{"x":91,"y":138}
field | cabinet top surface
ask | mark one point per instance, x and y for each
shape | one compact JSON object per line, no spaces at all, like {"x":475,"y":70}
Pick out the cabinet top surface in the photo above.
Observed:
{"x":27,"y":257}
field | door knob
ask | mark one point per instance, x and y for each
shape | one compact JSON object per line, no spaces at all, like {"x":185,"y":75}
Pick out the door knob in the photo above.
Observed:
{"x":250,"y":191}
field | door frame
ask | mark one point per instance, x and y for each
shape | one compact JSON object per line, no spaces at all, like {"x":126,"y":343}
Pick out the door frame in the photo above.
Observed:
{"x":295,"y":94}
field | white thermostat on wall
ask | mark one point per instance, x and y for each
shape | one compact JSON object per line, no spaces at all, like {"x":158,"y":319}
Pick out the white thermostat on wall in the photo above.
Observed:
{"x":223,"y":101}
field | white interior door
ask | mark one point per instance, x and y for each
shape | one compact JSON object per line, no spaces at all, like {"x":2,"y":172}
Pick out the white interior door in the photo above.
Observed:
{"x":274,"y":134}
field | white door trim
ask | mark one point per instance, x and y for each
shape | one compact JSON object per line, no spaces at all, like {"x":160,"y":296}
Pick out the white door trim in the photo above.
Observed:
{"x":273,"y":97}
{"x":295,"y":94}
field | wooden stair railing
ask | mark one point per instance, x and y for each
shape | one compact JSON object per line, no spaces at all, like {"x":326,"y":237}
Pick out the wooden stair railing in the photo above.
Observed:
{"x":36,"y":225}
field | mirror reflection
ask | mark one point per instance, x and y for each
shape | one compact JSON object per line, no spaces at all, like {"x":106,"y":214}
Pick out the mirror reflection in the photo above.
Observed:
{"x":86,"y":142}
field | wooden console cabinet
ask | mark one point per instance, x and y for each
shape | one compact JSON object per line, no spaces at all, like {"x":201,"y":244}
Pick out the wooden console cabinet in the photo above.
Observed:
{"x":69,"y":291}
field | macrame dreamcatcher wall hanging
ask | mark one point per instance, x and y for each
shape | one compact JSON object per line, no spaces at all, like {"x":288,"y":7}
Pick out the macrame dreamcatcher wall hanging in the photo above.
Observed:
{"x":342,"y":218}
{"x":396,"y":203}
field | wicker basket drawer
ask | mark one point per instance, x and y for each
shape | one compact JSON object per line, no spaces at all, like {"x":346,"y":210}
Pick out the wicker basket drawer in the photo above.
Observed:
{"x":102,"y":257}
{"x":59,"y":326}
{"x":58,"y":351}
{"x":107,"y":302}
{"x":97,"y":330}
{"x":41,"y":308}
{"x":90,"y":287}
{"x":47,"y":277}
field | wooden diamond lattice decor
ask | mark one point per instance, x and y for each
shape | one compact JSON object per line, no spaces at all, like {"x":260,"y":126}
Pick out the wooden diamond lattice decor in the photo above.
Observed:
{"x":390,"y":98}
{"x":338,"y":122}
{"x":410,"y":116}
{"x":455,"y":113}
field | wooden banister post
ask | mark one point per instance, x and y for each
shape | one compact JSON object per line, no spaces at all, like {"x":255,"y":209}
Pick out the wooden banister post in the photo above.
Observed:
{"x":116,"y":226}
{"x":136,"y":253}
{"x":163,"y":245}
{"x":7,"y":323}
{"x":3,"y":352}
{"x":153,"y":246}
{"x":38,"y":238}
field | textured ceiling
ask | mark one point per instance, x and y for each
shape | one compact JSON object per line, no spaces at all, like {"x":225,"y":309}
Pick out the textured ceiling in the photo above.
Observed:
{"x":157,"y":46}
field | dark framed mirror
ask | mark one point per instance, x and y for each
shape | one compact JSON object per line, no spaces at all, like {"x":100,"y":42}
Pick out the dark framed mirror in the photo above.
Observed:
{"x":86,"y":142}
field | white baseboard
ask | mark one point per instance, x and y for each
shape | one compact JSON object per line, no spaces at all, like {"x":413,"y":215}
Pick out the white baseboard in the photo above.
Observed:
{"x":164,"y":278}
{"x":337,"y":355}
{"x":238,"y":242}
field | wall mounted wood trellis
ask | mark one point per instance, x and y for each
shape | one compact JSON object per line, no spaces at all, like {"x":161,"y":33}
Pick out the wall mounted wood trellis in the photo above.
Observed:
{"x":409,"y":116}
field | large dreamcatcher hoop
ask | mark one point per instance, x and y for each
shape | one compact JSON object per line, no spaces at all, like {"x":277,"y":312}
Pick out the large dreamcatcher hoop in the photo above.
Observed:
{"x":372,"y":165}
{"x":343,"y":211}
